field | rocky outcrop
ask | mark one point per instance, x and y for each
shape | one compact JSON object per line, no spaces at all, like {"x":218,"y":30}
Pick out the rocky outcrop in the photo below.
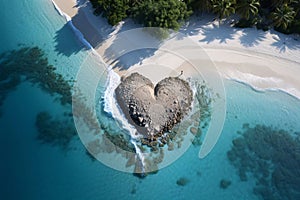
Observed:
{"x":154,"y":110}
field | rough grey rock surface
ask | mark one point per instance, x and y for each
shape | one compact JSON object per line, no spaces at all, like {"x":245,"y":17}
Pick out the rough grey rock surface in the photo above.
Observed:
{"x":154,"y":110}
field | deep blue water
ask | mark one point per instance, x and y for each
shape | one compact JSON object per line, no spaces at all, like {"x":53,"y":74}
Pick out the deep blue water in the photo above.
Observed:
{"x":34,"y":169}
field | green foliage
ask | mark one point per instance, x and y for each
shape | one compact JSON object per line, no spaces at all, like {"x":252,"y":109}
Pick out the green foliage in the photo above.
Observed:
{"x":199,"y":5}
{"x":114,"y":10}
{"x":223,"y":8}
{"x":295,"y":27}
{"x":245,"y":23}
{"x":161,"y":13}
{"x":279,"y":3}
{"x":283,"y":16}
{"x":247,"y":8}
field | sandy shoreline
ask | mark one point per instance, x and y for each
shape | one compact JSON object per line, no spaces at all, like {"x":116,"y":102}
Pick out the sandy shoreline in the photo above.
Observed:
{"x":264,"y":60}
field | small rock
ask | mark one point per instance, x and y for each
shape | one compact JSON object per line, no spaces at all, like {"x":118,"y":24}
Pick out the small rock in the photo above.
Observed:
{"x":224,"y":184}
{"x":182,"y":181}
{"x":170,"y":146}
{"x":133,"y":191}
{"x":161,"y":145}
{"x":141,"y":119}
{"x":193,"y":130}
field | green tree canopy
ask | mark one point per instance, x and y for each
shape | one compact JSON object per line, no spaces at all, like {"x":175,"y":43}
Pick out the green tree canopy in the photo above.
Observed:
{"x":199,"y":5}
{"x":114,"y":10}
{"x":161,"y":13}
{"x":283,"y":16}
{"x":223,"y":8}
{"x":247,"y":8}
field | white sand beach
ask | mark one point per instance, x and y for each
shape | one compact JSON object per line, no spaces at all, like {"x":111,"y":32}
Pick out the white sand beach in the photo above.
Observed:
{"x":264,"y":60}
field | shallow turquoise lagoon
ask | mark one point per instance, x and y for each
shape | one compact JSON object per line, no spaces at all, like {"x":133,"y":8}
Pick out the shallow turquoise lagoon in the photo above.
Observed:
{"x":256,"y":157}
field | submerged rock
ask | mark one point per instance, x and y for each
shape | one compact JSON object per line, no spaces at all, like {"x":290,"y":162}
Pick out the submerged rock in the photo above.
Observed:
{"x":182,"y":181}
{"x":224,"y":184}
{"x":55,"y":132}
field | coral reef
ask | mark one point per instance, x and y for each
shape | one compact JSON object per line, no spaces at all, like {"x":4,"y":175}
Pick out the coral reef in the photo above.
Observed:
{"x":272,"y":157}
{"x":204,"y":97}
{"x":30,"y":64}
{"x":57,"y":132}
{"x":120,"y":141}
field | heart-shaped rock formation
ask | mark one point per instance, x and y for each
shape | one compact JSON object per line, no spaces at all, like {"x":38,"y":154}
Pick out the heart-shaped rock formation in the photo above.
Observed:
{"x":154,"y":110}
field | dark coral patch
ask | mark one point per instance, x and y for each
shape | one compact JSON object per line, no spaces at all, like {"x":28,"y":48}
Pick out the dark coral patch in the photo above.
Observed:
{"x":272,"y":157}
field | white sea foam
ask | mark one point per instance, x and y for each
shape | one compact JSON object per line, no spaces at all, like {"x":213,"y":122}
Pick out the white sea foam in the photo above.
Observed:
{"x":110,"y":104}
{"x":140,"y":155}
{"x":111,"y":107}
{"x":60,"y":12}
{"x":111,"y":84}
{"x":78,"y":34}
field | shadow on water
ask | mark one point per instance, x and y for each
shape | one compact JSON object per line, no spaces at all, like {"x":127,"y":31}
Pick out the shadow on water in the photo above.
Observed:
{"x":66,"y":42}
{"x":90,"y":33}
{"x":70,"y":41}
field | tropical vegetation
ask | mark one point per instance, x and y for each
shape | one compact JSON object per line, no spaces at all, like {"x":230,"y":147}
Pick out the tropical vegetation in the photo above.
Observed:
{"x":283,"y":15}
{"x":161,"y":13}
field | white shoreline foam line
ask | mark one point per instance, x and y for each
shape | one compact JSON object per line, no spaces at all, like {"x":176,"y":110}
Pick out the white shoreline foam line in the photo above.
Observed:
{"x":287,"y":91}
{"x":193,"y":85}
{"x":76,"y":31}
{"x":111,"y":107}
{"x":113,"y":79}
{"x":110,"y":104}
{"x":140,"y":154}
{"x":257,"y":82}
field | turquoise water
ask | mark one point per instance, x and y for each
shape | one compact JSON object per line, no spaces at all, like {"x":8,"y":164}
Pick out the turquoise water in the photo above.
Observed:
{"x":36,"y":169}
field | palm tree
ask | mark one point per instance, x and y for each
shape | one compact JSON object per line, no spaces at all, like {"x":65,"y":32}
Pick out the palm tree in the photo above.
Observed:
{"x":223,"y":8}
{"x":278,"y":3}
{"x":247,"y":8}
{"x":134,"y":3}
{"x":199,"y":5}
{"x":283,"y":16}
{"x":296,"y":5}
